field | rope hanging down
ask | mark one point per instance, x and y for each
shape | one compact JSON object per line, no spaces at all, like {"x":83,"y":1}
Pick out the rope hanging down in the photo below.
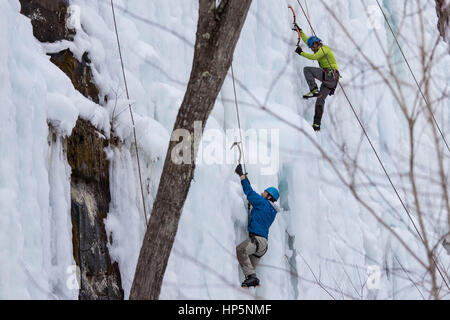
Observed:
{"x":131,"y":111}
{"x":377,"y":156}
{"x":239,"y":144}
{"x":307,"y":11}
{"x":412,"y":73}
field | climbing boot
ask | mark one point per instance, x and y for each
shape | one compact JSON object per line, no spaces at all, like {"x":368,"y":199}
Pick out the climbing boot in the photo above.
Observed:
{"x":250,"y":281}
{"x":313,"y":93}
{"x":316,"y":127}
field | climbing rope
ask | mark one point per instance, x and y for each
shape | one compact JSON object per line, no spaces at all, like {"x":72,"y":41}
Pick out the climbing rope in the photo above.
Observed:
{"x":239,"y":144}
{"x":412,"y":73}
{"x":307,"y":11}
{"x":238,"y":117}
{"x":376,"y":154}
{"x":131,"y":112}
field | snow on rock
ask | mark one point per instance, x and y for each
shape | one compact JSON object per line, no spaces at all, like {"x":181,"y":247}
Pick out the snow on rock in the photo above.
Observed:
{"x":36,"y":253}
{"x":35,"y":223}
{"x":323,"y":244}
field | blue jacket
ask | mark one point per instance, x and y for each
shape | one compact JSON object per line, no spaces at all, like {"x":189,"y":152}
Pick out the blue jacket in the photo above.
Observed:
{"x":262,"y":214}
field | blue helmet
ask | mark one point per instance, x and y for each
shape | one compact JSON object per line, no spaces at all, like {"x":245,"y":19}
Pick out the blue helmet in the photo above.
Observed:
{"x":273,"y":192}
{"x":312,"y":40}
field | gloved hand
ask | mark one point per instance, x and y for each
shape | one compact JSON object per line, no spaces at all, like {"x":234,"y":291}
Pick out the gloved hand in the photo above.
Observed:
{"x":238,"y":170}
{"x":299,"y":50}
{"x":296,"y":27}
{"x":316,"y":127}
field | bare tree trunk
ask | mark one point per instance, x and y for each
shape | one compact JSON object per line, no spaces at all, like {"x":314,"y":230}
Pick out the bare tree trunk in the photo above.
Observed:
{"x":442,"y":11}
{"x":218,"y":31}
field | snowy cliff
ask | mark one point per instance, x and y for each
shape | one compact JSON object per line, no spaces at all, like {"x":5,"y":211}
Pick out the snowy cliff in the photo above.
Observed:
{"x":324,"y":244}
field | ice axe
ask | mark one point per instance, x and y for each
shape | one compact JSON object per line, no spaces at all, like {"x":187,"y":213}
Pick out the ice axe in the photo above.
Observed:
{"x":238,"y":144}
{"x":295,"y":27}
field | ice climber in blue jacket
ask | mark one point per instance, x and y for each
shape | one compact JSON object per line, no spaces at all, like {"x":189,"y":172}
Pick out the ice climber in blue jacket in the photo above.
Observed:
{"x":262,"y":215}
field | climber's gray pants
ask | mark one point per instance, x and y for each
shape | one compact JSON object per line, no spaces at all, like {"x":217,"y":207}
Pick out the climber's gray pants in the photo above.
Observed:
{"x":247,"y":255}
{"x":328,"y":81}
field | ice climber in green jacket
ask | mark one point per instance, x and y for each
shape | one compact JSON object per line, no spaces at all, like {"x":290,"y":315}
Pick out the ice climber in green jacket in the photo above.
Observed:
{"x":328,"y":73}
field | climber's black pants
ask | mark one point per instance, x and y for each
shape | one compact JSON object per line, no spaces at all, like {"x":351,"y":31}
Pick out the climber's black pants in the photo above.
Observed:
{"x":328,"y":83}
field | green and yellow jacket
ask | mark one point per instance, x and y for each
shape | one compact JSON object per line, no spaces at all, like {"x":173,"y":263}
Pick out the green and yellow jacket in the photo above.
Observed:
{"x":324,"y":55}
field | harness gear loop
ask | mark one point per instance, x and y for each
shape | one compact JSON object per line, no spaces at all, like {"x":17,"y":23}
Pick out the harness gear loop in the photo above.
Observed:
{"x":331,"y":73}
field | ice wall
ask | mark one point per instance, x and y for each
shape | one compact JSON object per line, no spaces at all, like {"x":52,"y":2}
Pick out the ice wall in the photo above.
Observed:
{"x":35,"y":227}
{"x":322,"y":234}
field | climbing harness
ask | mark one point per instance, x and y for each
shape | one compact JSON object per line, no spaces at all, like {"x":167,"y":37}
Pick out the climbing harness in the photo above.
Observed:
{"x":131,"y":111}
{"x":377,"y":156}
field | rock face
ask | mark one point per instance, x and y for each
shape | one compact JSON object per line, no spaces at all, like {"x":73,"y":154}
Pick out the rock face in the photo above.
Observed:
{"x":48,"y":19}
{"x":90,"y":196}
{"x":79,"y":72}
{"x":90,"y":204}
{"x":443,"y":13}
